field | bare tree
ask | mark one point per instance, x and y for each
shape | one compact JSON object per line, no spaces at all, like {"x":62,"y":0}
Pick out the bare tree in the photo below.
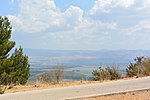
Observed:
{"x":58,"y":73}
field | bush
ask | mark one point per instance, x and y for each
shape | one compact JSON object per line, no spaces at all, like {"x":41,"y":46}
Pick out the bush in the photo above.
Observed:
{"x":132,"y":70}
{"x":46,"y":77}
{"x":100,"y":74}
{"x":146,"y":67}
{"x":114,"y":73}
{"x":106,"y":74}
{"x":2,"y":89}
{"x":141,"y":67}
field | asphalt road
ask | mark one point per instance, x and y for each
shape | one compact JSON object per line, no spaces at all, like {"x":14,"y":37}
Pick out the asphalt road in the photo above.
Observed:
{"x":81,"y":91}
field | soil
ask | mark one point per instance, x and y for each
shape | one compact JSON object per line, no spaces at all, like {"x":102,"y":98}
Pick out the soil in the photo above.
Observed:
{"x":39,"y":86}
{"x":135,"y":95}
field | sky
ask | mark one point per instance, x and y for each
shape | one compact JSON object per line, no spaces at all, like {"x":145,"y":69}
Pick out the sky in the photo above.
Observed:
{"x":79,"y":24}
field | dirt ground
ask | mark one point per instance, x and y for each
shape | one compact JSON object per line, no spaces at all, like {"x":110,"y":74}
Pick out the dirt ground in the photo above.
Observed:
{"x":135,"y":95}
{"x":39,"y":86}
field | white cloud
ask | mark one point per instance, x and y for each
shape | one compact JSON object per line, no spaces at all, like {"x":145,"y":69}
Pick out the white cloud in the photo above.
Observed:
{"x":33,"y":15}
{"x":142,"y":27}
{"x":105,"y":6}
{"x":124,"y":3}
{"x":146,"y":4}
{"x":106,"y":23}
{"x":42,"y":16}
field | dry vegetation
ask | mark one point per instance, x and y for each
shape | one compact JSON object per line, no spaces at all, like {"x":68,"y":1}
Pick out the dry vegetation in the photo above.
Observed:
{"x":38,"y":86}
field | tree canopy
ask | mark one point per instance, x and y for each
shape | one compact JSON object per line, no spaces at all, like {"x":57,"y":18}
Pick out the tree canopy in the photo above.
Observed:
{"x":15,"y":68}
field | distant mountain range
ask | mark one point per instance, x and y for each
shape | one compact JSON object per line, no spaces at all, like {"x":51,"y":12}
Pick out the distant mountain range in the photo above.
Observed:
{"x":84,"y":57}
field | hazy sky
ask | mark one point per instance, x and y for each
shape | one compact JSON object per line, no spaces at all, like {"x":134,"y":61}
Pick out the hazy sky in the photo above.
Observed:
{"x":79,"y":24}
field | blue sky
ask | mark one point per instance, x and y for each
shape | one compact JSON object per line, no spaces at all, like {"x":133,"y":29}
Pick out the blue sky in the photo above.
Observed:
{"x":79,"y":24}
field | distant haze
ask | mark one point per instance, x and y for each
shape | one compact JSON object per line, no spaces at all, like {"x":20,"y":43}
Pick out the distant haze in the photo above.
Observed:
{"x":85,"y":57}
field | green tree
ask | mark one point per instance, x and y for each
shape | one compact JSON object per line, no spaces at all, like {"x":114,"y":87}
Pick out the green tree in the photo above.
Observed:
{"x":13,"y":68}
{"x":5,"y":46}
{"x":5,"y":33}
{"x":20,"y":67}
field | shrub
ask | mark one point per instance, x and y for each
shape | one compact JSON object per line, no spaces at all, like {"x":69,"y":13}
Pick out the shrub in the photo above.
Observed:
{"x":2,"y":89}
{"x":132,"y":70}
{"x":146,"y":67}
{"x":45,"y":77}
{"x":106,"y":74}
{"x":114,"y":73}
{"x":141,"y":67}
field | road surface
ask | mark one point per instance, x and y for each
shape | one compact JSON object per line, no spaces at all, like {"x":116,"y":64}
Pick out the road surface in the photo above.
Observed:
{"x":80,"y":91}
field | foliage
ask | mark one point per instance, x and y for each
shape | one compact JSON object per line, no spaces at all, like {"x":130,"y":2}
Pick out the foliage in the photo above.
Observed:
{"x":114,"y":73}
{"x":2,"y":89}
{"x":20,"y":67}
{"x":13,"y":69}
{"x":141,"y":67}
{"x":5,"y":46}
{"x":146,"y":67}
{"x":135,"y":69}
{"x":132,"y":70}
{"x":5,"y":33}
{"x":106,"y":74}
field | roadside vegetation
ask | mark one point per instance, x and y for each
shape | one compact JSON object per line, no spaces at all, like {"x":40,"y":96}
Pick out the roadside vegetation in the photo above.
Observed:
{"x":108,"y":73}
{"x":140,"y":68}
{"x":15,"y":68}
{"x":2,"y":89}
